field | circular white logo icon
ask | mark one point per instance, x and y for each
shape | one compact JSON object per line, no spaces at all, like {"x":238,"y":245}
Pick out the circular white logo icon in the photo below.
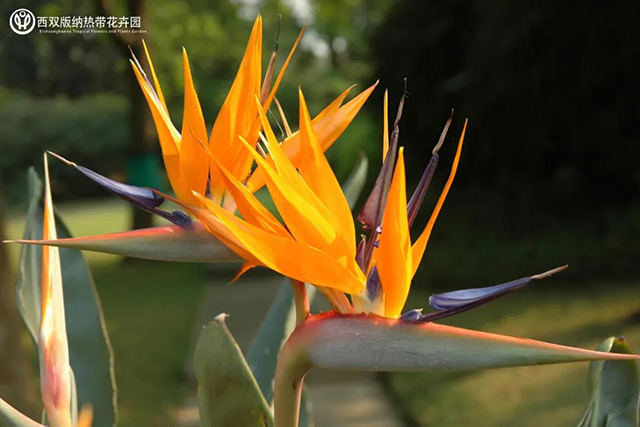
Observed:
{"x":22,"y":21}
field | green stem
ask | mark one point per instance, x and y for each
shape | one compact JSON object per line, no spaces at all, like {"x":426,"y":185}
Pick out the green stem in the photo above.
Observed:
{"x":301,"y":300}
{"x":293,"y":365}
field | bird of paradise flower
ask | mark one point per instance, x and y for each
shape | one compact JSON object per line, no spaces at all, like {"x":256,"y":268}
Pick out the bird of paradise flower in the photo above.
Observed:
{"x":367,"y":283}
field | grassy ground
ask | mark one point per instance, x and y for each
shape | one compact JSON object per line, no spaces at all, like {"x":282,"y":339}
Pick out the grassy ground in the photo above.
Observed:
{"x":530,"y":396}
{"x":150,"y":310}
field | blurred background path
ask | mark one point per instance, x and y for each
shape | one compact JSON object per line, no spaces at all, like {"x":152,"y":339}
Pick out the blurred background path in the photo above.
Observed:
{"x":337,"y":398}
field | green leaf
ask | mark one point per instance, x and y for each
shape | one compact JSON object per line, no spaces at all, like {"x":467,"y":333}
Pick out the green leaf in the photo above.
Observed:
{"x":372,"y":343}
{"x":614,"y":388}
{"x":167,"y":243}
{"x":228,"y":394}
{"x":90,"y":351}
{"x":28,"y":286}
{"x":276,"y":327}
{"x":11,"y":417}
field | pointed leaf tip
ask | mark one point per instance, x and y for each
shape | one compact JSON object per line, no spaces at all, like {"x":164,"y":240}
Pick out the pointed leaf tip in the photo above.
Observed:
{"x":227,"y":391}
{"x":614,"y":388}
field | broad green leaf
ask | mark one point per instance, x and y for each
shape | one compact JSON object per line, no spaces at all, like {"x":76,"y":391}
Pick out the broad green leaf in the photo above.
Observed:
{"x":372,"y":343}
{"x":614,"y":388}
{"x":28,"y":286}
{"x":276,"y":327}
{"x":228,"y":394}
{"x":89,"y":349}
{"x":167,"y":243}
{"x":11,"y":417}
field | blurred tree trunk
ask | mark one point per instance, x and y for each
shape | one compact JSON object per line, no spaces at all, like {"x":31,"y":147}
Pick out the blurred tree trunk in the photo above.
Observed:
{"x":13,"y":360}
{"x":142,"y":167}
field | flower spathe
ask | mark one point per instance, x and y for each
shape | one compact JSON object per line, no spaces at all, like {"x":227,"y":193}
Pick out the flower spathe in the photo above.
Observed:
{"x":56,"y":378}
{"x":55,"y":372}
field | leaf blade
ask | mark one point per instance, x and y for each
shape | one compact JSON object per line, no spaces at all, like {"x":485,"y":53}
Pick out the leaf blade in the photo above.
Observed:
{"x":614,"y":388}
{"x":228,"y":394}
{"x":89,"y":349}
{"x":11,"y":417}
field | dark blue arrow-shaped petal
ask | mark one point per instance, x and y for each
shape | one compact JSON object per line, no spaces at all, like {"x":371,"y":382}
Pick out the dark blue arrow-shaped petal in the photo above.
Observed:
{"x":455,"y":302}
{"x":143,"y":198}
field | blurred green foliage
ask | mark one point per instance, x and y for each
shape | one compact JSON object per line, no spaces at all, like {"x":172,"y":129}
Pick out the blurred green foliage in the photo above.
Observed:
{"x":91,"y":130}
{"x":52,"y":98}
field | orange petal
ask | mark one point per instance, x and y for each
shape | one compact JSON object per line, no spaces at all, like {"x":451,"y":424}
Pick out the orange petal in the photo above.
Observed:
{"x":194,"y":166}
{"x":249,"y":206}
{"x":246,"y":266}
{"x":85,"y":418}
{"x":328,"y":126}
{"x":334,"y":106}
{"x":156,"y":83}
{"x":320,"y":178}
{"x":394,"y":253}
{"x":385,"y":129}
{"x":243,"y":162}
{"x":238,"y":113}
{"x":272,"y":94}
{"x":421,"y":244}
{"x":299,"y":211}
{"x":167,"y":133}
{"x":285,"y":169}
{"x":290,"y":258}
{"x":213,"y":225}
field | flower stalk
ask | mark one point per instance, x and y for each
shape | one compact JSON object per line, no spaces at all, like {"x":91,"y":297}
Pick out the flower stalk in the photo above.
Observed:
{"x":293,"y":365}
{"x":301,"y":301}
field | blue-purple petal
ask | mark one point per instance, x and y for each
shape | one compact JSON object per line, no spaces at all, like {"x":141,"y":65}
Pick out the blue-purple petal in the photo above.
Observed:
{"x":455,"y":299}
{"x":371,"y":214}
{"x":455,"y":302}
{"x":373,"y":284}
{"x":144,"y":197}
{"x":141,"y":197}
{"x":372,"y":210}
{"x":412,"y":315}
